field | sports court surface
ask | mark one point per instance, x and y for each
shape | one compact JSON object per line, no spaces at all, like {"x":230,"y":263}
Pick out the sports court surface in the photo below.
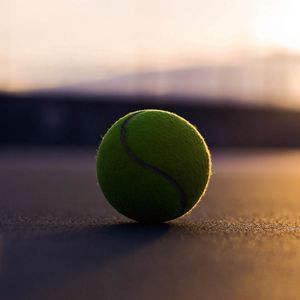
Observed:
{"x":59,"y":239}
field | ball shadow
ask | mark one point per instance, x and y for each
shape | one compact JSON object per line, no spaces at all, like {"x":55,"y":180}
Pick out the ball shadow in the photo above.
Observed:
{"x":40,"y":261}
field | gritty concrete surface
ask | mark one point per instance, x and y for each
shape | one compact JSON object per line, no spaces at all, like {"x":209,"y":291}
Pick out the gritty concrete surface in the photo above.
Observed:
{"x":59,"y":239}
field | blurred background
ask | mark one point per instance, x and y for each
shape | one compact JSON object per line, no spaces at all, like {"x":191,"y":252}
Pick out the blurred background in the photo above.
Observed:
{"x":70,"y":68}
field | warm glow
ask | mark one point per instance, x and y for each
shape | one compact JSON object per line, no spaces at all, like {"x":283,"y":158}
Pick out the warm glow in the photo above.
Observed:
{"x":278,"y":23}
{"x":54,"y":43}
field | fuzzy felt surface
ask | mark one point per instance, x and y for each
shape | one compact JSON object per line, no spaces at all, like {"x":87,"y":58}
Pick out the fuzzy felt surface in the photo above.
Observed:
{"x":153,"y":166}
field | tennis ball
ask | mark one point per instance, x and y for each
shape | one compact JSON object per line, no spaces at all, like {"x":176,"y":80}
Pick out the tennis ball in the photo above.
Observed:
{"x":153,"y":166}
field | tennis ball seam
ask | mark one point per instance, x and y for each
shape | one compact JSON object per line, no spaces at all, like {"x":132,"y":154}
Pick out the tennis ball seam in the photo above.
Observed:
{"x":145,"y":165}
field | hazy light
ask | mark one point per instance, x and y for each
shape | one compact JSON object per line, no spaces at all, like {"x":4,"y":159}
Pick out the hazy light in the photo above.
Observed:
{"x":54,"y":42}
{"x":277,"y":23}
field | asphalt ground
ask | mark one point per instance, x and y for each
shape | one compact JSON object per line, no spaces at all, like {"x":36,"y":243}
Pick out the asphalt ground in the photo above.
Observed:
{"x":60,"y":239}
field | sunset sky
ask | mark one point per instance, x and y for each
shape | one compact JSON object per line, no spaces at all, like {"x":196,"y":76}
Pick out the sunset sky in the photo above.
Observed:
{"x":53,"y":42}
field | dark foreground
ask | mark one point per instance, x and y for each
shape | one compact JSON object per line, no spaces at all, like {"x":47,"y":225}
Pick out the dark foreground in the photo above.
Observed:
{"x":60,"y":240}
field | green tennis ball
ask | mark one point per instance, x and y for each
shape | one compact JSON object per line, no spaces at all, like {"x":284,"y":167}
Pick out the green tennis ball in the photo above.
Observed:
{"x":153,"y":166}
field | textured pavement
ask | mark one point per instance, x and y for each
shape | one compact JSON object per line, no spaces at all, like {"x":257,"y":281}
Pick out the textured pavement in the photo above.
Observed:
{"x":59,"y":239}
